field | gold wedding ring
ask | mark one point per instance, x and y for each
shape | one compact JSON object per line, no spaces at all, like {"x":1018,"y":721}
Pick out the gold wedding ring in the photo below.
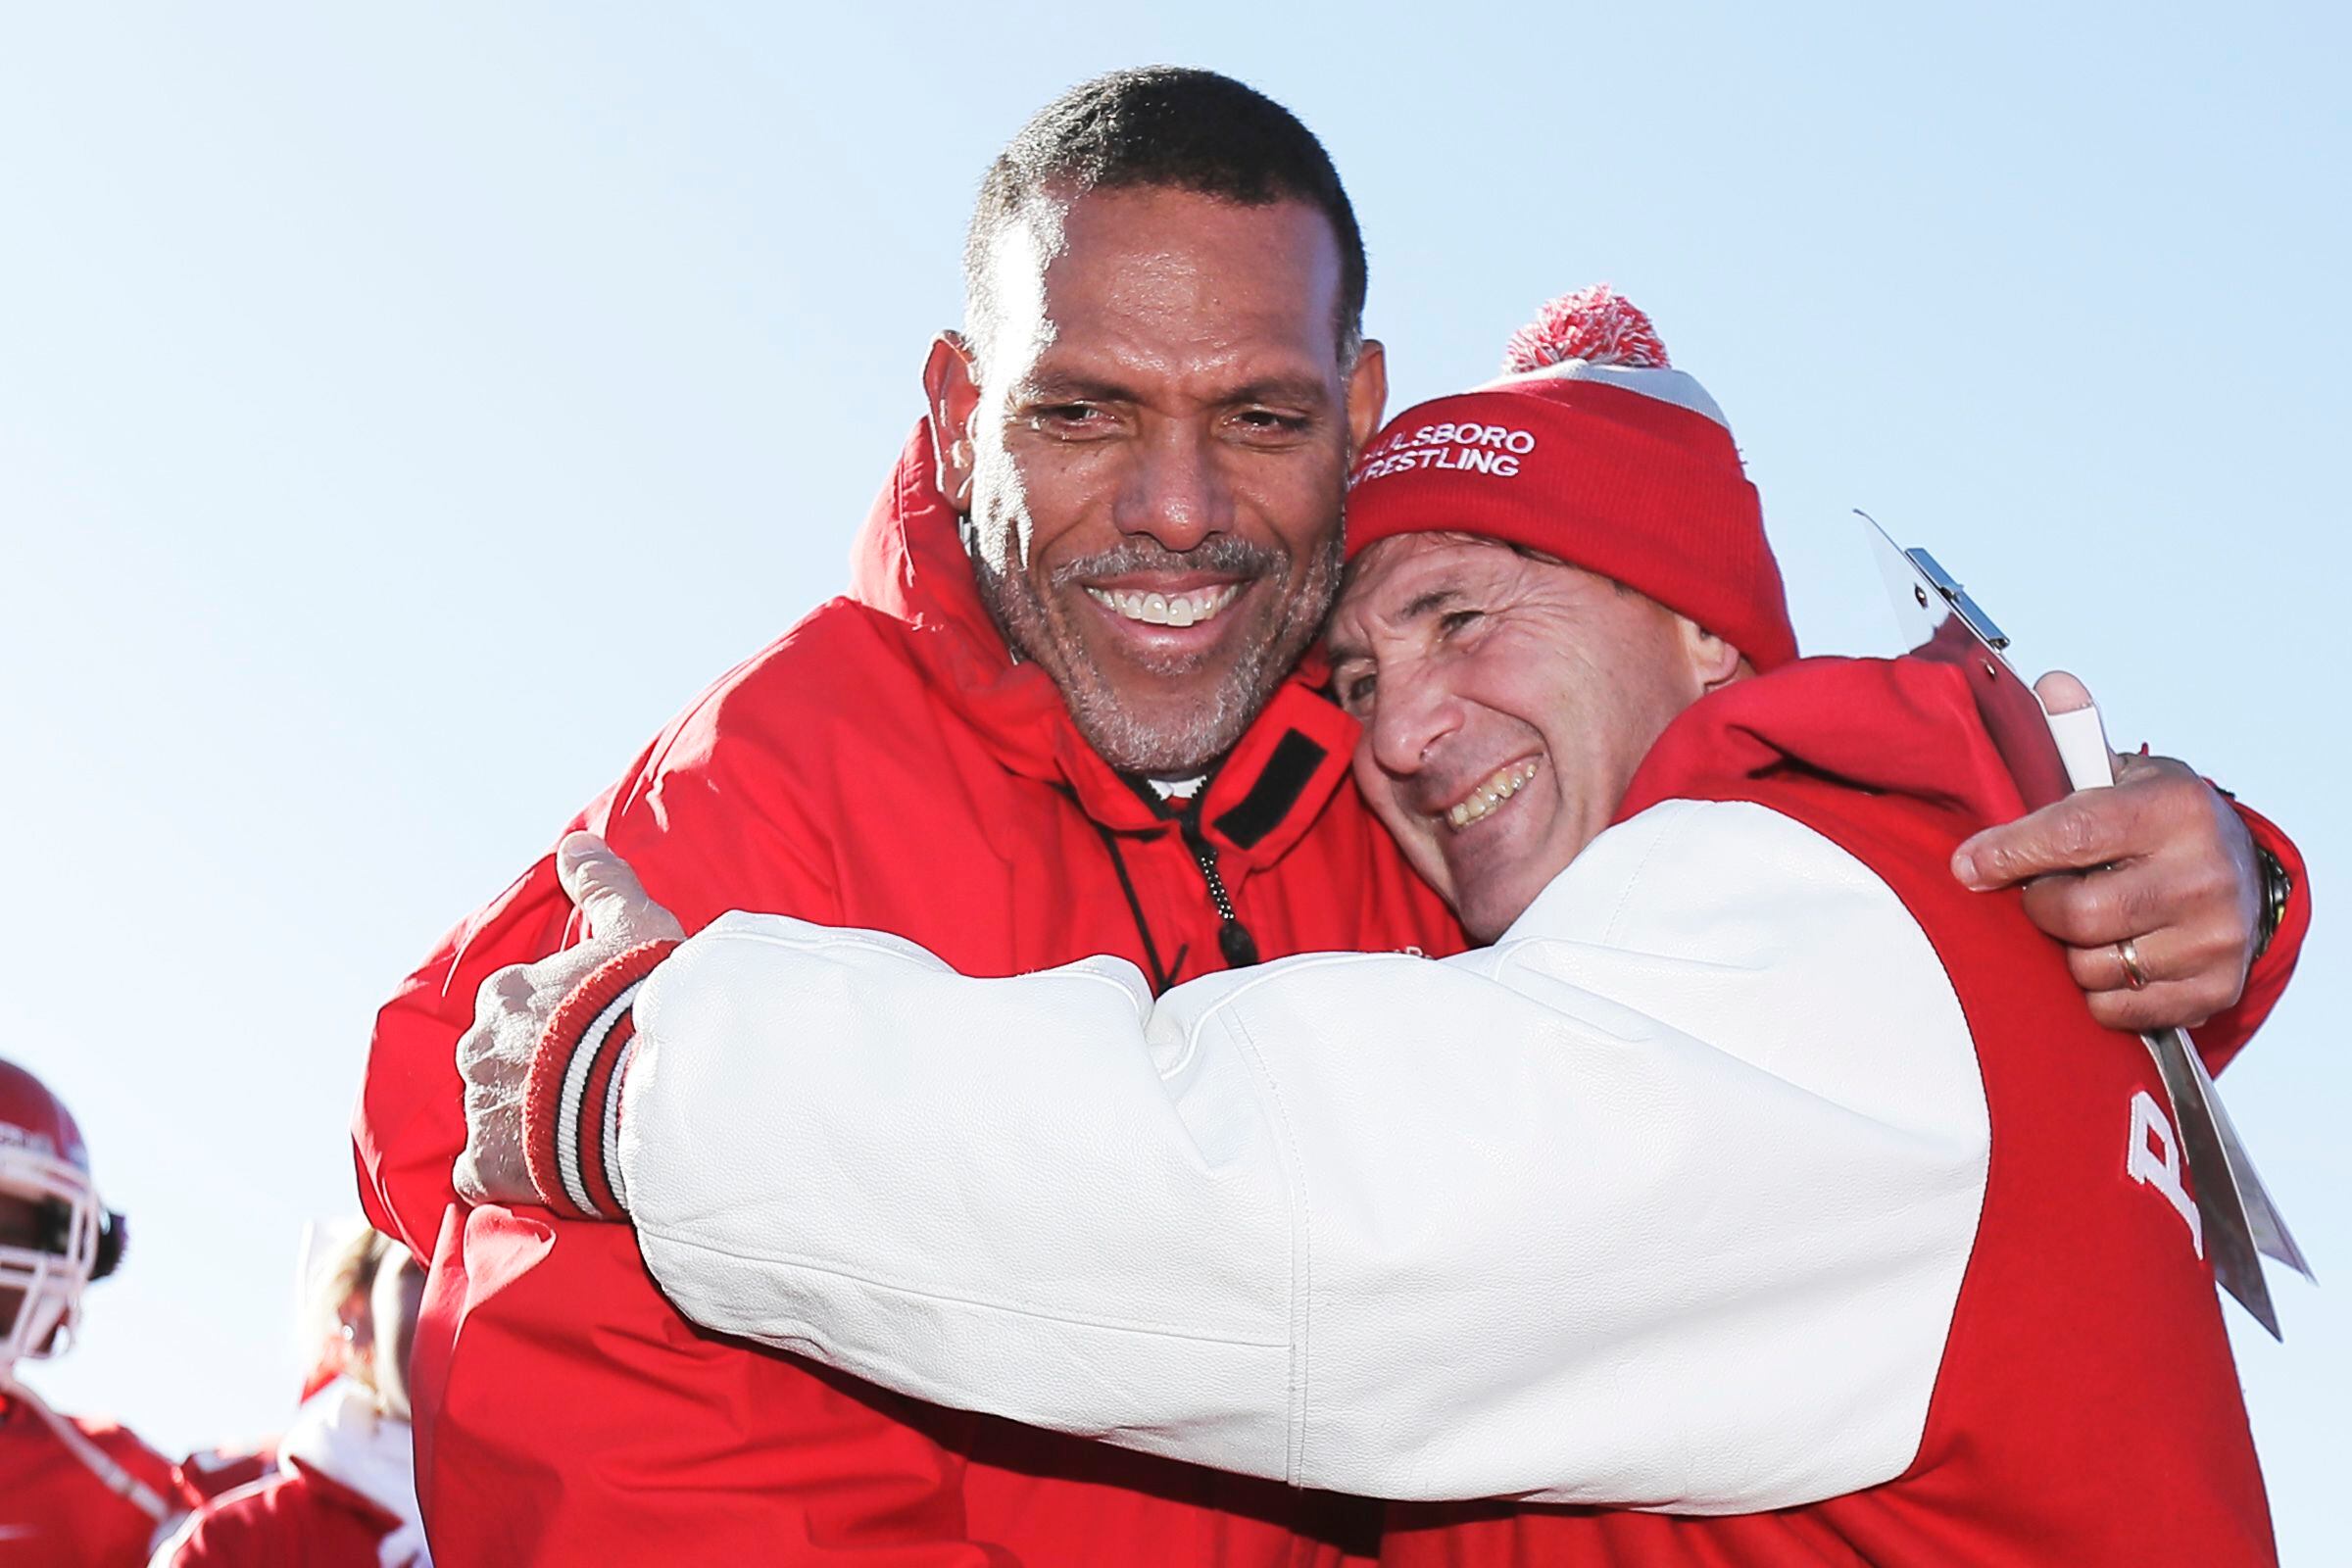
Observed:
{"x":2133,"y":975}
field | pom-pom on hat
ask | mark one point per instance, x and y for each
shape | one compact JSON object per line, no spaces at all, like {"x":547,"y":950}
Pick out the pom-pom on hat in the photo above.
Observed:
{"x":1593,"y":449}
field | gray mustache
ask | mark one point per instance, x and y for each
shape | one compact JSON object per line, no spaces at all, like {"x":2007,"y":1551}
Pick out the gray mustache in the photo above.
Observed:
{"x":1219,"y":554}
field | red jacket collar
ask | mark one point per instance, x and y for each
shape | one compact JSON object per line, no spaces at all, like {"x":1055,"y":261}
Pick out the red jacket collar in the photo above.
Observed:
{"x":909,"y":564}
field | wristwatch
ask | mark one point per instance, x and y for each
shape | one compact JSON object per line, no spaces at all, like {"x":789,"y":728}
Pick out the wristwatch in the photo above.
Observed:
{"x":2278,"y":886}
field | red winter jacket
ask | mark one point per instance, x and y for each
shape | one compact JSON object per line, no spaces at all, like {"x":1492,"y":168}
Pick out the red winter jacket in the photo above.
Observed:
{"x":2085,"y":1407}
{"x":883,"y":764}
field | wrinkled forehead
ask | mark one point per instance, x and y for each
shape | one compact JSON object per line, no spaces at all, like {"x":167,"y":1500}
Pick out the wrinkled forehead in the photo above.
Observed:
{"x":1413,"y":577}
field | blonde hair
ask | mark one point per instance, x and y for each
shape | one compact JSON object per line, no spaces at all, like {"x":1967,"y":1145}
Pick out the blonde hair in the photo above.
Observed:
{"x":342,"y":1275}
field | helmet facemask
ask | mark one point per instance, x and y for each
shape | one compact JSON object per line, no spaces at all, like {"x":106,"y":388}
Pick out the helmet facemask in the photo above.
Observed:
{"x":52,"y":1275}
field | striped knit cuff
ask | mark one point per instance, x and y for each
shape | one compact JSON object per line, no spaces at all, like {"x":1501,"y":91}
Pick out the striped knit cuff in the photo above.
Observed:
{"x":571,"y":1104}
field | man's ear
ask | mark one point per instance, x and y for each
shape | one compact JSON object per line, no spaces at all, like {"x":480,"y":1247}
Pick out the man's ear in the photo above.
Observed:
{"x":1714,"y":663}
{"x":952,"y":390}
{"x":1367,"y":396}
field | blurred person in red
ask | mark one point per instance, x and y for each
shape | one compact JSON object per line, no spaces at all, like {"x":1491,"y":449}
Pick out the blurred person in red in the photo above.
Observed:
{"x":1068,"y":706}
{"x":325,"y":1348}
{"x":344,"y":1489}
{"x":328,"y":1280}
{"x":74,"y":1493}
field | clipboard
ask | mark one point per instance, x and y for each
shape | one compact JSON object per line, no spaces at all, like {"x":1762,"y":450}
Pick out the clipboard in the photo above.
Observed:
{"x":2050,"y":756}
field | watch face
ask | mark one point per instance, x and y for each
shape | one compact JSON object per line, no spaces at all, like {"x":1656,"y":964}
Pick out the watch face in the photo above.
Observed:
{"x":2278,"y":886}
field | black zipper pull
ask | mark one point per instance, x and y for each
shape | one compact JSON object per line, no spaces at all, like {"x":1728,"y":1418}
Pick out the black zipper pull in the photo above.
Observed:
{"x":1234,"y":940}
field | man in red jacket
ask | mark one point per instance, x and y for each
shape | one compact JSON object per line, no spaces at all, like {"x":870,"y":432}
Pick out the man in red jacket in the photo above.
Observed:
{"x":1066,"y":708}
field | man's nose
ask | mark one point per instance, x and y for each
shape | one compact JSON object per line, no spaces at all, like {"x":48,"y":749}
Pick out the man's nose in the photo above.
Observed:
{"x":1413,"y":715}
{"x":1176,"y":494}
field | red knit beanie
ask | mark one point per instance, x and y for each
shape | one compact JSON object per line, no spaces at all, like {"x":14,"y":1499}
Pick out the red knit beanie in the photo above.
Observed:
{"x":1591,"y":449}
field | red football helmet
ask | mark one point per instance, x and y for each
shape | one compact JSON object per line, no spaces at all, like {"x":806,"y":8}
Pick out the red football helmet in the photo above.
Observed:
{"x":73,"y":1239}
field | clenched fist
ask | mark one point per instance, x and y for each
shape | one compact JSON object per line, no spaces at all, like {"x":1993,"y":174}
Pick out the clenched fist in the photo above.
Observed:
{"x":512,"y":1010}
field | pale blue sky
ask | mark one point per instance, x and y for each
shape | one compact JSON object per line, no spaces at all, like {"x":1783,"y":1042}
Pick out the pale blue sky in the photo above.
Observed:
{"x":403,"y":410}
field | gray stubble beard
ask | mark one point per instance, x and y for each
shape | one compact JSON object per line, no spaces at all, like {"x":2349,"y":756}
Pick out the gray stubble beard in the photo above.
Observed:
{"x":1122,"y":737}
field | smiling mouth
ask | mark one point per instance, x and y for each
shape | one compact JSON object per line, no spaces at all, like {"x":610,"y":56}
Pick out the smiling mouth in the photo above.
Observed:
{"x":1482,"y":802}
{"x":1187,"y":608}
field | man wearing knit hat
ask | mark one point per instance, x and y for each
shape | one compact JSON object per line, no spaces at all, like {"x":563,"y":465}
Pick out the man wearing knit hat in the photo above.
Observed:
{"x":1759,"y":1187}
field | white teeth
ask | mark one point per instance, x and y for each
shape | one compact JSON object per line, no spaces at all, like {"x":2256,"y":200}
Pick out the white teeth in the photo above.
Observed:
{"x":1168,"y":610}
{"x":1489,"y":794}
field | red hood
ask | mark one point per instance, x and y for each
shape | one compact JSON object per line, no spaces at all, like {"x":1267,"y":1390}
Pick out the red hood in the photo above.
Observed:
{"x":1899,"y":726}
{"x":909,"y":564}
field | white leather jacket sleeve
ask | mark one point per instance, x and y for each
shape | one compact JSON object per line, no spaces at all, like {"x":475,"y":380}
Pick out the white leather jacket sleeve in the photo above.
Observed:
{"x":1661,"y":1201}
